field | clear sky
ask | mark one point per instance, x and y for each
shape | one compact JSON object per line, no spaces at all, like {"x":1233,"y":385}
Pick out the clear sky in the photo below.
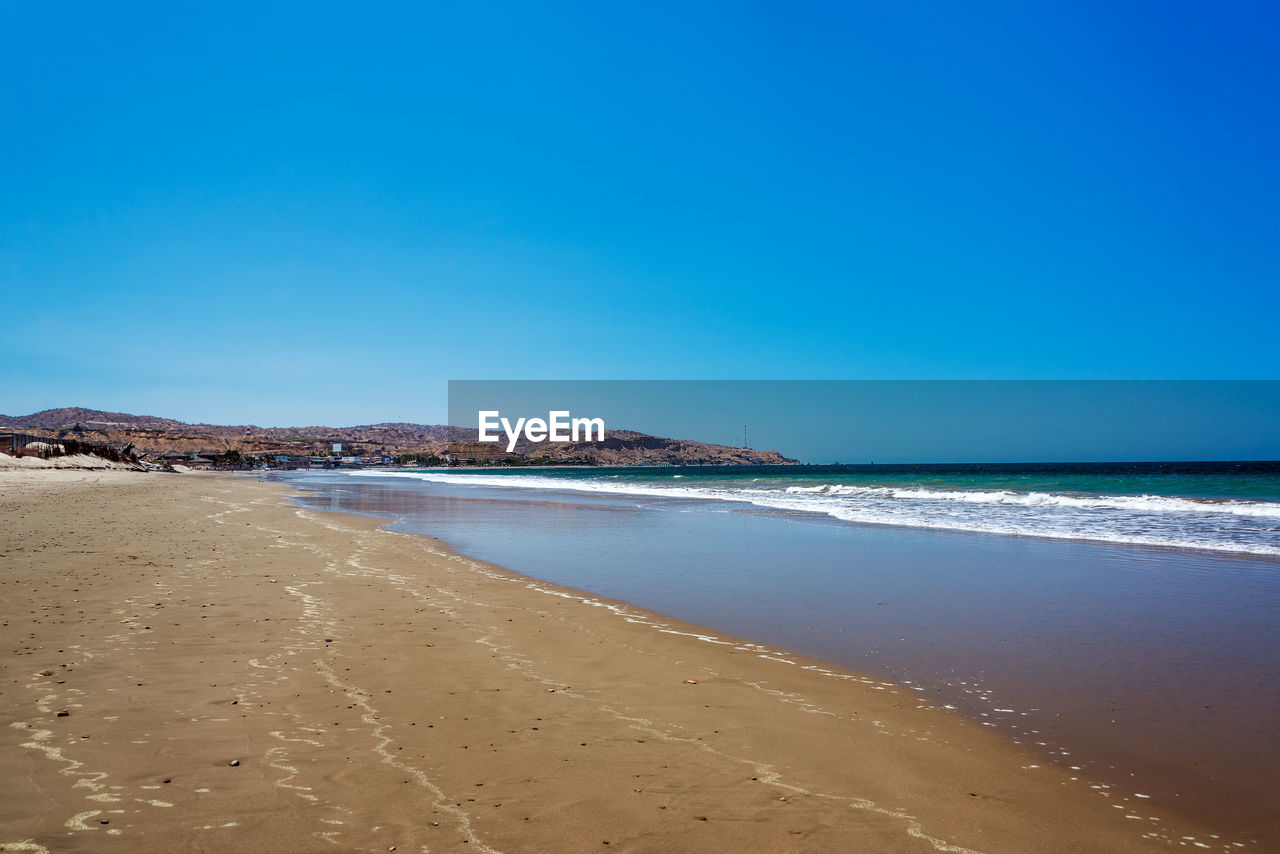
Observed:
{"x":320,"y":213}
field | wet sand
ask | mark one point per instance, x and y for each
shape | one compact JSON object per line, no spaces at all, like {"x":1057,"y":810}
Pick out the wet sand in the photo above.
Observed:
{"x":193,"y":663}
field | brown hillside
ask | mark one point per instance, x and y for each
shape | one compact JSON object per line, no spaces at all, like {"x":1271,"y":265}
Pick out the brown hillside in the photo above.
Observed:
{"x":155,"y":435}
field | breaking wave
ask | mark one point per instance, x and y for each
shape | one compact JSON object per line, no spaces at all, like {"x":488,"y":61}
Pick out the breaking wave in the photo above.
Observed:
{"x":1224,"y":525}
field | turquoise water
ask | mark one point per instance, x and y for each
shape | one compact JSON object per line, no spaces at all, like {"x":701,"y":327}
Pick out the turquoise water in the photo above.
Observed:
{"x":1259,"y":481}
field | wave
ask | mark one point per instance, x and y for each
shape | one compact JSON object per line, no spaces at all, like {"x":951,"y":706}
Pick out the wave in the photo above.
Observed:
{"x":1144,"y":503}
{"x":1211,"y":540}
{"x":1150,"y":520}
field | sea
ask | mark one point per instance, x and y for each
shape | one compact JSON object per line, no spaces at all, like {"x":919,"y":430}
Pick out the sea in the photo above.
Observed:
{"x":1120,"y":620}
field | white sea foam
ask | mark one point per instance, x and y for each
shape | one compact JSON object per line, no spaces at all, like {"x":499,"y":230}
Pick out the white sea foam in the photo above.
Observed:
{"x":1246,"y":527}
{"x":1144,"y":503}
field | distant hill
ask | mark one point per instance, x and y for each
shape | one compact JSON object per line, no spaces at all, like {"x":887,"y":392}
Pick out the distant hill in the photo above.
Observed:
{"x":157,"y":436}
{"x":56,"y":419}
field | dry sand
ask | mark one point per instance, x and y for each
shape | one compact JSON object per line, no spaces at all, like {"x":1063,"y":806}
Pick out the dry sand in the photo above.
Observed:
{"x":70,"y":461}
{"x":191,"y":663}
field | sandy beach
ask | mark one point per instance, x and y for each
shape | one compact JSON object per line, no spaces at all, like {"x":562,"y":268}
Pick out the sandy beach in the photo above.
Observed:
{"x":193,"y":663}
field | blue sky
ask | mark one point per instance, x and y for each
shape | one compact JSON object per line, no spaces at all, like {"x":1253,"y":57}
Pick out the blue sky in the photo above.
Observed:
{"x":322,"y":213}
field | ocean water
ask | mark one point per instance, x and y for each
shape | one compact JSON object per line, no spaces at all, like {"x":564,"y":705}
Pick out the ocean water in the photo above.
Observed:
{"x":1122,"y":621}
{"x":1225,"y":507}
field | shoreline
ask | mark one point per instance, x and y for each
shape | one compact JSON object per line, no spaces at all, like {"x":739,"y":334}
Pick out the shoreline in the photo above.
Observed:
{"x":844,"y":761}
{"x":1111,"y":720}
{"x":949,"y":524}
{"x":1247,"y":557}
